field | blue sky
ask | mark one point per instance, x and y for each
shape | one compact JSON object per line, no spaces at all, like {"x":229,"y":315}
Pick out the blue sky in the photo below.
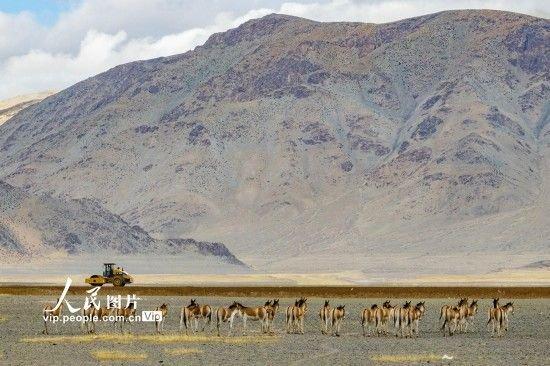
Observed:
{"x":45,"y":11}
{"x":52,"y":44}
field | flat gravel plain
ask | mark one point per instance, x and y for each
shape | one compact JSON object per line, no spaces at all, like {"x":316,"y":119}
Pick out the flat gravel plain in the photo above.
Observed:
{"x":22,"y":343}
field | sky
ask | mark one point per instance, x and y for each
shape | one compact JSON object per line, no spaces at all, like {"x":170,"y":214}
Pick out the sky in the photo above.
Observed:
{"x":52,"y":44}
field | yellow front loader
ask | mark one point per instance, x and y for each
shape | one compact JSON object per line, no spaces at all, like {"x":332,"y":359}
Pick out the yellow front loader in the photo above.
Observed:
{"x":111,"y":274}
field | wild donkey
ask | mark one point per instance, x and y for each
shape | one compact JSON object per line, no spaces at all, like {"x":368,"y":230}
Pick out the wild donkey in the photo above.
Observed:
{"x":295,"y":315}
{"x":415,"y":314}
{"x":402,"y":320}
{"x":259,"y":313}
{"x":224,"y":314}
{"x":337,"y":316}
{"x":324,"y":315}
{"x":498,"y":316}
{"x":383,"y":317}
{"x":51,"y":315}
{"x":124,"y":315}
{"x":467,"y":316}
{"x":452,"y":316}
{"x":369,"y":320}
{"x":159,"y":324}
{"x":272,"y":308}
{"x":195,"y":311}
{"x":92,"y":315}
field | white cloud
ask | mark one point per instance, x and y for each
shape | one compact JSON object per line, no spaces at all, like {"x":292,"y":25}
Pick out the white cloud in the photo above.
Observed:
{"x":379,"y":11}
{"x":39,"y":70}
{"x":97,"y":35}
{"x":17,"y":33}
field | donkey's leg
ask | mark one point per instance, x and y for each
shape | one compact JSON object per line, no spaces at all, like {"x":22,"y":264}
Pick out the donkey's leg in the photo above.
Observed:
{"x":230,"y":324}
{"x":505,"y":322}
{"x":286,"y":321}
{"x":207,"y":321}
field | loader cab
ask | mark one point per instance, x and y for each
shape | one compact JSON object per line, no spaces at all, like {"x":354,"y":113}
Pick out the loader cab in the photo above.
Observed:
{"x":108,"y":269}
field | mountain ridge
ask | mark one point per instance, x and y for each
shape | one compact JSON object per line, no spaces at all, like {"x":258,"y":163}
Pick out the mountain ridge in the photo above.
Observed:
{"x":292,"y":137}
{"x":42,"y":226}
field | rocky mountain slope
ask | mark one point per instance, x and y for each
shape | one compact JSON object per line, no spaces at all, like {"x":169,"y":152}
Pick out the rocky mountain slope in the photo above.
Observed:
{"x":42,"y":226}
{"x":303,"y":144}
{"x":10,"y":107}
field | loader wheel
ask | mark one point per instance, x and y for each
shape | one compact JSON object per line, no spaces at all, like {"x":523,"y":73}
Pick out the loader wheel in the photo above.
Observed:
{"x":96,"y":284}
{"x":118,"y":282}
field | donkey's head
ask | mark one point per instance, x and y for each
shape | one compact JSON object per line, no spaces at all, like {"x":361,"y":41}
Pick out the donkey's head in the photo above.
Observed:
{"x":342,"y":310}
{"x":509,"y":307}
{"x":236,"y":305}
{"x":303,"y":304}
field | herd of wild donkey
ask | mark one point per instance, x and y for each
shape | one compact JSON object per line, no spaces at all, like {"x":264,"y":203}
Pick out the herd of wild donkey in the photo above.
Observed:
{"x":374,"y":320}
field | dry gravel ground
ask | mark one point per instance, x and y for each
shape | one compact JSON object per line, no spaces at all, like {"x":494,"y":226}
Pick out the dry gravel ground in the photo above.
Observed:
{"x":21,"y":342}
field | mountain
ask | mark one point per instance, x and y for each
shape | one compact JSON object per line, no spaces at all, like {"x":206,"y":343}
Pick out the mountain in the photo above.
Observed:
{"x":42,"y":226}
{"x":304,"y":145}
{"x":10,"y":107}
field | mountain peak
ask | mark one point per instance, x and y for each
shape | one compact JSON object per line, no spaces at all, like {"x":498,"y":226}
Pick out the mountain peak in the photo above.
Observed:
{"x":254,"y":29}
{"x":285,"y":138}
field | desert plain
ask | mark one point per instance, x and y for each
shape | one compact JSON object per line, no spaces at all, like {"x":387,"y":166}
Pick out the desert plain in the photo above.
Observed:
{"x":527,"y":342}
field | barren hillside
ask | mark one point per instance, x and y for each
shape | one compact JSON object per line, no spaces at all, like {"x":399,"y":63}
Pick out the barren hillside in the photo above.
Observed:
{"x":10,"y":107}
{"x":306,"y":145}
{"x":44,"y":227}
